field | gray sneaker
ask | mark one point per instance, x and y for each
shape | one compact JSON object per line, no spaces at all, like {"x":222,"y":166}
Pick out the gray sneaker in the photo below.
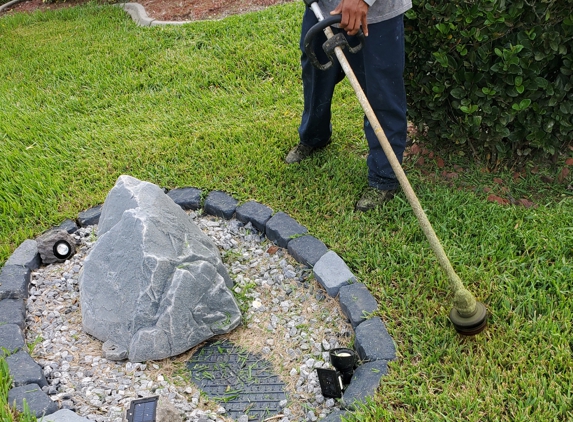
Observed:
{"x":301,"y":151}
{"x":372,"y":198}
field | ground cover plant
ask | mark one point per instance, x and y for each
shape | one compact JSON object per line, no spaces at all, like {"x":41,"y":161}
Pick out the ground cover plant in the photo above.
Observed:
{"x":86,"y":95}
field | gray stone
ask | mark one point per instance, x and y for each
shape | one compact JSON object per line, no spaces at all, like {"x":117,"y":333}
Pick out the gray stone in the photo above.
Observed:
{"x":11,"y":338}
{"x":281,"y":228}
{"x":332,"y":273}
{"x":186,"y":198}
{"x":46,"y":244}
{"x":68,"y":225}
{"x":220,"y":204}
{"x":112,"y":351}
{"x":335,"y":416}
{"x":254,"y":213}
{"x":24,"y":370}
{"x":14,"y":282}
{"x":90,"y":216}
{"x":38,"y":402}
{"x":65,"y":415}
{"x":26,"y":255}
{"x":307,"y":249}
{"x":13,"y":311}
{"x":365,"y":382}
{"x":372,"y":341}
{"x":166,"y":411}
{"x":153,"y":283}
{"x":356,"y":303}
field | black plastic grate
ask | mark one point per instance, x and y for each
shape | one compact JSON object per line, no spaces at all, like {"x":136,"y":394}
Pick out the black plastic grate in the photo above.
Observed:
{"x":242,"y":382}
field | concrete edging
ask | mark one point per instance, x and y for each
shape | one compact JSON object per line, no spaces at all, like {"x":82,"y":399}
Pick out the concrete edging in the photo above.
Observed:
{"x":139,"y":15}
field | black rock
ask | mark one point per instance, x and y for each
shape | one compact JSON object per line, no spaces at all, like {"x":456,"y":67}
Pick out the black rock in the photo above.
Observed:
{"x":282,"y":228}
{"x":38,"y":402}
{"x":220,"y":204}
{"x":307,"y":249}
{"x":372,"y":341}
{"x":356,"y":303}
{"x":68,"y":225}
{"x":13,"y":311}
{"x":24,"y":370}
{"x":254,"y":213}
{"x":186,"y":198}
{"x":11,"y":338}
{"x":14,"y":282}
{"x":365,"y":381}
{"x":90,"y":216}
{"x":26,"y":255}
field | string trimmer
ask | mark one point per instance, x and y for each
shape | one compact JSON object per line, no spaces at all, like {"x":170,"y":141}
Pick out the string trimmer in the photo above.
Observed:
{"x":468,"y":316}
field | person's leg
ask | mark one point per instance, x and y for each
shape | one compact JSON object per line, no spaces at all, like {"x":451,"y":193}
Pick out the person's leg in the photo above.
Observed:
{"x":318,"y":86}
{"x":383,"y":58}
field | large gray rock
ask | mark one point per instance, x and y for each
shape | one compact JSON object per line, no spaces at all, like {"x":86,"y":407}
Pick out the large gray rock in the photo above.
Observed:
{"x":154,"y":284}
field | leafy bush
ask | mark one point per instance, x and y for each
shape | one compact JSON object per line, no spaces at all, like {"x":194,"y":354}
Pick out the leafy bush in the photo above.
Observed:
{"x":493,"y":73}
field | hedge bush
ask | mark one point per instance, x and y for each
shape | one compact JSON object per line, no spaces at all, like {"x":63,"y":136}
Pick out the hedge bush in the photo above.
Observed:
{"x":492,"y":74}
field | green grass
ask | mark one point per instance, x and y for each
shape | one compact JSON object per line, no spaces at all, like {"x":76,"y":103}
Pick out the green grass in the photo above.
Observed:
{"x":86,"y":95}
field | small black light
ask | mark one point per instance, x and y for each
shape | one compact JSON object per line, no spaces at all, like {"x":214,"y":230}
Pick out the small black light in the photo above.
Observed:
{"x":330,"y":382}
{"x":143,"y":410}
{"x":62,"y":249}
{"x":344,"y":360}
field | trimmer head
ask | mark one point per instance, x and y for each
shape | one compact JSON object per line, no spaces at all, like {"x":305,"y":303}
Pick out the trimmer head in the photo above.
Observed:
{"x":470,"y":326}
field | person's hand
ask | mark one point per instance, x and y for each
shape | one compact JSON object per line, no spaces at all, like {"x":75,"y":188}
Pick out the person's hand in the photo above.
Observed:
{"x":353,"y":16}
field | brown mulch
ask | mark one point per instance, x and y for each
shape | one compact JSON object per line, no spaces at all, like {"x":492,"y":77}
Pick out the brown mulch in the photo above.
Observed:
{"x":165,"y":10}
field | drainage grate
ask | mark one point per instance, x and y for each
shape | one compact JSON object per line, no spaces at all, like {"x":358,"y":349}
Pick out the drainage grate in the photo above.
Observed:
{"x":242,"y":382}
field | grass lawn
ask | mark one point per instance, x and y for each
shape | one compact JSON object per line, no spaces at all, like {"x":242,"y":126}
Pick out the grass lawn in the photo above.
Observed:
{"x":86,"y":95}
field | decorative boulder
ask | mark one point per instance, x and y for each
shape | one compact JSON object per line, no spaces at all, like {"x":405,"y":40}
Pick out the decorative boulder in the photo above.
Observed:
{"x":154,"y":284}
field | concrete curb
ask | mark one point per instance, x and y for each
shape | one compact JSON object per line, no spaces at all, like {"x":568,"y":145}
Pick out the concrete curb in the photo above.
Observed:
{"x":139,"y":15}
{"x":373,"y":344}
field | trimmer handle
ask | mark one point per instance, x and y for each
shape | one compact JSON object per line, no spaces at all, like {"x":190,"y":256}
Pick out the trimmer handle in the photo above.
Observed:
{"x":338,"y":40}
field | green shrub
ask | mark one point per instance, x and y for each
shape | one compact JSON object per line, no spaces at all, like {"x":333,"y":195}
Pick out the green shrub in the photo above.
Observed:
{"x":494,"y":74}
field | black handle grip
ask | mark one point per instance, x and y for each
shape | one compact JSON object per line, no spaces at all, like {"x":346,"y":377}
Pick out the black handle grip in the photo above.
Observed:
{"x":339,"y":40}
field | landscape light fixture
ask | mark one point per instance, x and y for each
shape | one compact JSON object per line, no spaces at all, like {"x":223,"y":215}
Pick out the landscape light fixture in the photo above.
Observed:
{"x":143,"y":410}
{"x":62,"y":249}
{"x":330,"y":382}
{"x":343,"y":360}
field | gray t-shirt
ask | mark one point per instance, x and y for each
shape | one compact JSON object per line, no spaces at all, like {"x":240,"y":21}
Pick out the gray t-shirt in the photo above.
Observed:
{"x":380,"y":11}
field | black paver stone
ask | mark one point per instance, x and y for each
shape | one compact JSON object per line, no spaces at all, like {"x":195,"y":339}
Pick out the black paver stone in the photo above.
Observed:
{"x":11,"y":338}
{"x":372,"y":341}
{"x":38,"y":402}
{"x":220,"y":204}
{"x":24,"y":370}
{"x":307,"y":249}
{"x":90,"y":216}
{"x":356,"y":303}
{"x":365,"y":381}
{"x":69,"y":226}
{"x":13,"y":311}
{"x":26,"y":255}
{"x":254,"y":213}
{"x":14,"y":281}
{"x":186,"y":198}
{"x":281,"y":228}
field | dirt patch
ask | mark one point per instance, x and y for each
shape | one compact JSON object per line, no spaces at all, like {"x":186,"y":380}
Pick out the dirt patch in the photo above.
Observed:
{"x":165,"y":10}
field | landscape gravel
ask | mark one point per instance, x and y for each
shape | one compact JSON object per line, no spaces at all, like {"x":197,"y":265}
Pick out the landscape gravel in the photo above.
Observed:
{"x":288,"y":319}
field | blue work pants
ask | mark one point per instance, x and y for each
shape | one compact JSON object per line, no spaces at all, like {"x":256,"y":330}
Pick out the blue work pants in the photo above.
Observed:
{"x":379,"y":67}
